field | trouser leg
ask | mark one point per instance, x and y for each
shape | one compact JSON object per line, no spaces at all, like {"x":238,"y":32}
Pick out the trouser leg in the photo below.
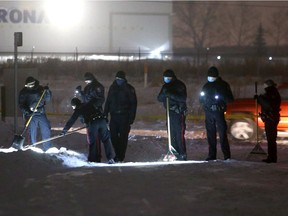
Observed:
{"x":108,"y":149}
{"x":178,"y":127}
{"x":32,"y":130}
{"x":45,"y":131}
{"x":92,"y":132}
{"x":124,"y":130}
{"x":106,"y":139}
{"x":114,"y":132}
{"x":222,"y":130}
{"x":271,"y":134}
{"x":210,"y":125}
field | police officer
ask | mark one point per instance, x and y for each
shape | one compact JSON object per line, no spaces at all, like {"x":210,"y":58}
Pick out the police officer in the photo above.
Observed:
{"x":176,"y":92}
{"x":29,"y":97}
{"x":270,"y":114}
{"x":94,"y":94}
{"x":93,"y":91}
{"x":121,"y":103}
{"x":96,"y":127}
{"x":215,"y":94}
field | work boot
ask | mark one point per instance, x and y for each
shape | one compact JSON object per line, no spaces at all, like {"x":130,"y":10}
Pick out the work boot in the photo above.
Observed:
{"x":111,"y":161}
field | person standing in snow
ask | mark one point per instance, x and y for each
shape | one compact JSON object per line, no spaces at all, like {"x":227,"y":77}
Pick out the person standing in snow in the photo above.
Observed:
{"x":215,"y":95}
{"x":175,"y":90}
{"x":270,"y":114}
{"x":96,"y":127}
{"x":121,"y":103}
{"x":29,"y":97}
{"x":93,"y":94}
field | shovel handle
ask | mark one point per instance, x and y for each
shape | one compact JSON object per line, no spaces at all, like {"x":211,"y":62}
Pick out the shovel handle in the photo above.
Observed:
{"x":53,"y":138}
{"x":29,"y":120}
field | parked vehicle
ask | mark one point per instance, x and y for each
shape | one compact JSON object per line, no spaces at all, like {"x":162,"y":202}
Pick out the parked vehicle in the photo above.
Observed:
{"x":242,"y":115}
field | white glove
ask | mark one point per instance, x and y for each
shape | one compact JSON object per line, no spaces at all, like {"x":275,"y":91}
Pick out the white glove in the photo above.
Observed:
{"x":33,"y":110}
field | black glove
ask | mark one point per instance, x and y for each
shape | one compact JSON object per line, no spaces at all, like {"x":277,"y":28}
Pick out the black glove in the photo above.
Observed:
{"x":27,"y":112}
{"x":46,"y":87}
{"x":63,"y":133}
{"x":166,"y":92}
{"x":78,"y":89}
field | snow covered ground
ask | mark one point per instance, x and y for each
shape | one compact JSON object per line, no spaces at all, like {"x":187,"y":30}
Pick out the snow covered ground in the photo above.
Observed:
{"x":63,"y":183}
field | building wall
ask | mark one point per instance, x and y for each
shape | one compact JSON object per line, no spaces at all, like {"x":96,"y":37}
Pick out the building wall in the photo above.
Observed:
{"x":96,"y":26}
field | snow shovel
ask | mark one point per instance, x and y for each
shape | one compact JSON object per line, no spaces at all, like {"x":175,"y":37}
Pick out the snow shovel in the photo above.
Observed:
{"x":18,"y":140}
{"x":170,"y":156}
{"x":52,"y":138}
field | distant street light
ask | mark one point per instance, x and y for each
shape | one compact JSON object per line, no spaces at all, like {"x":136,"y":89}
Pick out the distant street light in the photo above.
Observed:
{"x":218,"y":57}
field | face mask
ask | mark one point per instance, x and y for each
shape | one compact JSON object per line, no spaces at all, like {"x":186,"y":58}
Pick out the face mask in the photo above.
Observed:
{"x":120,"y":81}
{"x":211,"y":79}
{"x":88,"y":81}
{"x":167,"y":79}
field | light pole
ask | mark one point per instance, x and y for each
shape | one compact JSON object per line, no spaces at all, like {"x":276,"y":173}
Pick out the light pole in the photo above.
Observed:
{"x":17,"y":42}
{"x":32,"y":53}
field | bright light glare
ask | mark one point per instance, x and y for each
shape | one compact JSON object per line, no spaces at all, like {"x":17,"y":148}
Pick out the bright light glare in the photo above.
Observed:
{"x":64,"y":13}
{"x":157,"y":52}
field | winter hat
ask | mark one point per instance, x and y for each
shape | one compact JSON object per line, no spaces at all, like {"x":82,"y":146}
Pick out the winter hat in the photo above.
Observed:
{"x":213,"y":72}
{"x":75,"y":102}
{"x":169,"y":73}
{"x":121,"y":75}
{"x":30,"y":81}
{"x":269,"y":83}
{"x":89,"y":76}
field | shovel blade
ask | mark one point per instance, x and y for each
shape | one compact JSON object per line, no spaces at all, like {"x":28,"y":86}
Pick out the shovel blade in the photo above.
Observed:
{"x":18,"y":142}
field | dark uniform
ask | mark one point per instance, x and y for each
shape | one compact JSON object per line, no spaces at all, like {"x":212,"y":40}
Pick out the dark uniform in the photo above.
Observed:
{"x":28,"y":99}
{"x":270,"y":114}
{"x":96,"y":126}
{"x":94,"y":94}
{"x":176,"y":91}
{"x":215,"y":94}
{"x":121,"y":103}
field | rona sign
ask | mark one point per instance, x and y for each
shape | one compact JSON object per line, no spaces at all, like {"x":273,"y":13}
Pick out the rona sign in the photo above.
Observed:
{"x":22,"y":16}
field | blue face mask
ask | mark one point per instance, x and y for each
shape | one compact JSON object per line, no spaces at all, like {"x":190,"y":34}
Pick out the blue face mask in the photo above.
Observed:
{"x":211,"y":79}
{"x":167,"y":79}
{"x":120,"y":81}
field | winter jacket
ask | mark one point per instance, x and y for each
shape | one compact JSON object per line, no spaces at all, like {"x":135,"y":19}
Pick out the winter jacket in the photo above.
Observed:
{"x":93,"y":93}
{"x":28,"y":99}
{"x":215,"y":95}
{"x":86,"y":113}
{"x":270,"y":101}
{"x":177,"y":94}
{"x":121,"y":99}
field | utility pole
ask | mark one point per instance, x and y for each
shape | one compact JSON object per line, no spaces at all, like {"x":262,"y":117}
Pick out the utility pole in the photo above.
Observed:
{"x":18,"y":38}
